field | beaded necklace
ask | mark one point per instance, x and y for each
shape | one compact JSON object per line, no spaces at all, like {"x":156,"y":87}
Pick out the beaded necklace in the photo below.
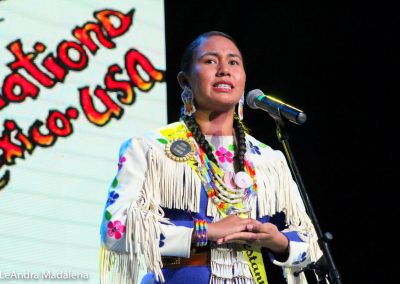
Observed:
{"x":228,"y":200}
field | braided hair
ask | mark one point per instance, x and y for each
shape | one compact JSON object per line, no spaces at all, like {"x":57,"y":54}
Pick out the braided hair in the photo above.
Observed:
{"x":240,"y":149}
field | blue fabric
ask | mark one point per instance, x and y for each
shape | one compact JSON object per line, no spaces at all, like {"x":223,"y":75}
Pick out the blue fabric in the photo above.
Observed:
{"x":184,"y":275}
{"x":185,"y":218}
{"x":201,"y":274}
{"x":292,"y":236}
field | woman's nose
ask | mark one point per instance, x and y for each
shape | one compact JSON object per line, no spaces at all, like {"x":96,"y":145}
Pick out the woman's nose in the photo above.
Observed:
{"x":223,"y":69}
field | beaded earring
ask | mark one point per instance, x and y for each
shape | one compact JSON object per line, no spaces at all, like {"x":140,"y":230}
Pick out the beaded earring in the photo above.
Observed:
{"x":240,"y":107}
{"x":188,"y":103}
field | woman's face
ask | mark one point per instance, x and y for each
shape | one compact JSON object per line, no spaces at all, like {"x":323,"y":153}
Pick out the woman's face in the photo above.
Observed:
{"x":217,"y":77}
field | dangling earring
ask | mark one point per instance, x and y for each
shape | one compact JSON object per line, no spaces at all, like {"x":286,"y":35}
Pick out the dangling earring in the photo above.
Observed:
{"x":240,"y":107}
{"x":188,"y":103}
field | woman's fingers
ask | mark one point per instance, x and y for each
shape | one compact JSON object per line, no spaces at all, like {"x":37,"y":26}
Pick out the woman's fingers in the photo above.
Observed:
{"x":229,"y":225}
{"x":254,"y":226}
{"x":257,"y":227}
{"x":249,"y":231}
{"x":243,"y":237}
{"x":235,"y":229}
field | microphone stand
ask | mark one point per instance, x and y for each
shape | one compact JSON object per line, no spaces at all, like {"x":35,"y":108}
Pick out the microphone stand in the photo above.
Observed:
{"x":325,"y":266}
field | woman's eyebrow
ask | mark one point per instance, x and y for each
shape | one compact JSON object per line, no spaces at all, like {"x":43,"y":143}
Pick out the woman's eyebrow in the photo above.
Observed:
{"x":235,"y":55}
{"x":209,"y":53}
{"x":215,"y":54}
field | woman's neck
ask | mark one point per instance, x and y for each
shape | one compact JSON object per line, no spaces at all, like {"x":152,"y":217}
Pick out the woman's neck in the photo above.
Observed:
{"x":212,"y":123}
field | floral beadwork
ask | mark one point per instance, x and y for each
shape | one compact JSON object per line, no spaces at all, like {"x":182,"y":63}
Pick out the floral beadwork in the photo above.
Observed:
{"x":114,"y":183}
{"x":174,"y":132}
{"x":300,"y":258}
{"x":232,"y":147}
{"x":224,"y":155}
{"x":212,"y":175}
{"x":107,"y":215}
{"x":121,"y":162}
{"x":162,"y":238}
{"x":112,"y":197}
{"x":262,"y":145}
{"x":254,"y":149}
{"x":171,"y":133}
{"x":115,"y":229}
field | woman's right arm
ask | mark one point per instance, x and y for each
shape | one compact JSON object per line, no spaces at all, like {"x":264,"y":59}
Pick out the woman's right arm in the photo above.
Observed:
{"x":134,"y":231}
{"x":124,"y":190}
{"x":131,"y":226}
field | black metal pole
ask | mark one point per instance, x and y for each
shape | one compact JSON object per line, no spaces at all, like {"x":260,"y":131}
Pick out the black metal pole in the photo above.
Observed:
{"x":325,"y":266}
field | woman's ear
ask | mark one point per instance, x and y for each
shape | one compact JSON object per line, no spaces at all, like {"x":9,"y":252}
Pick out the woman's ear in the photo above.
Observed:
{"x":182,"y":80}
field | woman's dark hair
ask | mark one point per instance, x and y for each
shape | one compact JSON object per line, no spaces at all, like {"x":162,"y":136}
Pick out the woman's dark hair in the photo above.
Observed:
{"x":191,"y":122}
{"x":186,"y":61}
{"x":240,"y":134}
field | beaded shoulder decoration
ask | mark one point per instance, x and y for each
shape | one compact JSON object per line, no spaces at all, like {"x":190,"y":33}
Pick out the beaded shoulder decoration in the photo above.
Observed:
{"x":231,"y":194}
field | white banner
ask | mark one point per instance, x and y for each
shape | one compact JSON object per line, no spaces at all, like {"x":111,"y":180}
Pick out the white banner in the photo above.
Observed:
{"x":77,"y":79}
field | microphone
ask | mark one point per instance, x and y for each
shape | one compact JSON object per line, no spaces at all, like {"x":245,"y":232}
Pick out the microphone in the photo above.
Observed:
{"x":256,"y":99}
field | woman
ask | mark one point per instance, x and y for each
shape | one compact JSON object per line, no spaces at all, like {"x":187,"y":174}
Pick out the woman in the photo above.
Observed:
{"x":200,"y":200}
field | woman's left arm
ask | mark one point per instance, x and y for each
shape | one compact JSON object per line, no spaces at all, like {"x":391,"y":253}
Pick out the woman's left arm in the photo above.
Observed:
{"x":286,"y":248}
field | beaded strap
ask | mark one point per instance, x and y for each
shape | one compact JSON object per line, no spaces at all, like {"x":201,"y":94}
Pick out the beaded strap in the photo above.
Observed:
{"x":201,"y":229}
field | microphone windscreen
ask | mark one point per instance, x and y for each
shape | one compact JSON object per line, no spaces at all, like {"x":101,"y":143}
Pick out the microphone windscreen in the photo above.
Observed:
{"x":252,"y":96}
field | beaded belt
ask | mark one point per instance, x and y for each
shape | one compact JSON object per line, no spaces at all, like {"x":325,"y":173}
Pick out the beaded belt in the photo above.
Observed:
{"x":199,"y":256}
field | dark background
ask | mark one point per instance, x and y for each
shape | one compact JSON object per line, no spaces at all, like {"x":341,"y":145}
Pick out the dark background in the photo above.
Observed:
{"x":334,"y":61}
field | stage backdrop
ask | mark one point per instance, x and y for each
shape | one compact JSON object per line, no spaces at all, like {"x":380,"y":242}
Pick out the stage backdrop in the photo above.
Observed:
{"x":77,"y":78}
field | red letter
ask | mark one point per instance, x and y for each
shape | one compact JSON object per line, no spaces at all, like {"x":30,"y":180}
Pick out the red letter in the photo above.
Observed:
{"x":4,"y":179}
{"x":132,"y":59}
{"x":59,"y":123}
{"x":128,"y":94}
{"x":9,"y":149}
{"x":24,"y":88}
{"x":26,"y":61}
{"x":82,"y":34}
{"x":125,"y":21}
{"x":95,"y":116}
{"x":53,"y":65}
{"x":26,"y":143}
{"x":43,"y":140}
{"x":63,"y":54}
{"x":3,"y":102}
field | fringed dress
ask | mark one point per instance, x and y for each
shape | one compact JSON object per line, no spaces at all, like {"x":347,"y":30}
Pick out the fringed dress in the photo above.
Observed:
{"x":156,"y":195}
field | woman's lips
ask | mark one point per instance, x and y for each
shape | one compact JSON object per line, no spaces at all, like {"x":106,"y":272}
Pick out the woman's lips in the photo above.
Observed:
{"x":223,"y":87}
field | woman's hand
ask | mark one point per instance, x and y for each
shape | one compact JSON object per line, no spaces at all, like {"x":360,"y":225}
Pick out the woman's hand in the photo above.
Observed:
{"x":266,"y":235}
{"x":228,"y":226}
